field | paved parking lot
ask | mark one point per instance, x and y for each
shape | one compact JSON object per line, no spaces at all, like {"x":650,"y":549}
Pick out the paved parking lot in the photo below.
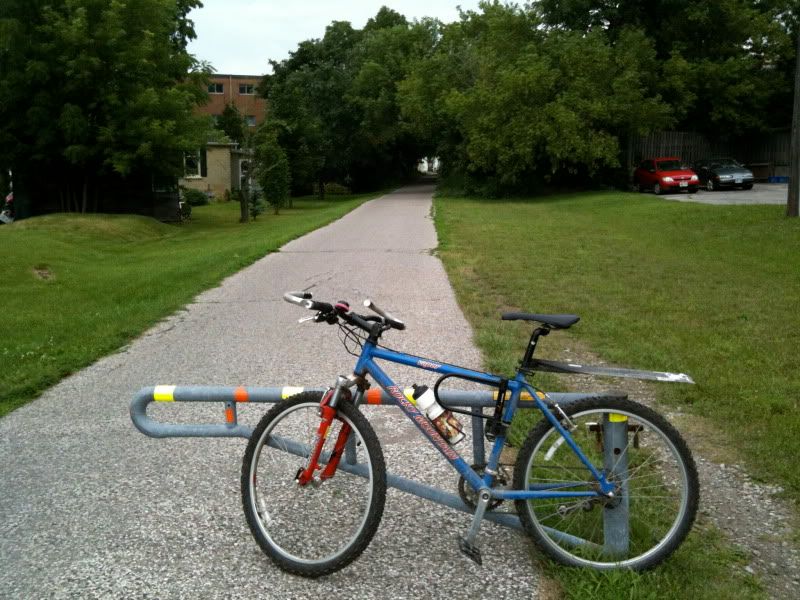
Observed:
{"x":762,"y":193}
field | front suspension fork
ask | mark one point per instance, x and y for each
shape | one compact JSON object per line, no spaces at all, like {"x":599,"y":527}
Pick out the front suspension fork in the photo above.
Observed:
{"x":328,"y":415}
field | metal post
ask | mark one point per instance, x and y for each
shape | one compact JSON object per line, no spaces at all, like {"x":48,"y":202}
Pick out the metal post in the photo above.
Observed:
{"x":616,"y":528}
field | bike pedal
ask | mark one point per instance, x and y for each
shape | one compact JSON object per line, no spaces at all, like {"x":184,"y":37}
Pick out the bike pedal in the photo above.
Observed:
{"x":471,"y":551}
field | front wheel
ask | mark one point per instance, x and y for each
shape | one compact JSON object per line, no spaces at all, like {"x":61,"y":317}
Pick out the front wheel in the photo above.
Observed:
{"x":320,"y":527}
{"x":656,"y":487}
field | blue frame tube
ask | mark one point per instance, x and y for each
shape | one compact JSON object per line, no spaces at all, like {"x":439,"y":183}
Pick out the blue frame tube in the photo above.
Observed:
{"x":366,"y":364}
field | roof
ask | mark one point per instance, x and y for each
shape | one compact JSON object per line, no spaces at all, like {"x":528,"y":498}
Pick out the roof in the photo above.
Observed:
{"x":237,"y":76}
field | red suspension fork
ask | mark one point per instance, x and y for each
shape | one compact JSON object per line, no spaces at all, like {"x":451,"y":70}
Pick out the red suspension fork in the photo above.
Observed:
{"x":328,"y":415}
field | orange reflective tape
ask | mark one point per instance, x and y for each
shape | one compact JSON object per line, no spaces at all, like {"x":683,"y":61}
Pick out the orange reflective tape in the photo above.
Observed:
{"x":374,"y":396}
{"x":229,"y":415}
{"x":240,"y":394}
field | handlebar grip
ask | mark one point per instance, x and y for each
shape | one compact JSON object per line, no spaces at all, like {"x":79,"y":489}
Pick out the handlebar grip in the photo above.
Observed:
{"x":395,"y":323}
{"x":300,"y":298}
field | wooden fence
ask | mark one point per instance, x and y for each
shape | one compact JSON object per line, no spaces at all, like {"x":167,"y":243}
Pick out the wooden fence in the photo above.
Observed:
{"x":767,"y":155}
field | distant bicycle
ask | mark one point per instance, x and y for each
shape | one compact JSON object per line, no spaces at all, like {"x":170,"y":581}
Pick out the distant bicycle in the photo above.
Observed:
{"x":602,"y":482}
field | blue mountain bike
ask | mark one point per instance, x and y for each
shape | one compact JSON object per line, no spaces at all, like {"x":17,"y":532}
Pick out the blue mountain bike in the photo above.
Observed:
{"x":585,"y":462}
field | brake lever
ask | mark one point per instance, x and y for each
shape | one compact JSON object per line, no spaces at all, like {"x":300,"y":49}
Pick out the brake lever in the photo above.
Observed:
{"x":305,"y":319}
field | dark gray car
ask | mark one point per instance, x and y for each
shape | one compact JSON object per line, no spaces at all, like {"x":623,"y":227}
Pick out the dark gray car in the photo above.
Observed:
{"x":718,"y":173}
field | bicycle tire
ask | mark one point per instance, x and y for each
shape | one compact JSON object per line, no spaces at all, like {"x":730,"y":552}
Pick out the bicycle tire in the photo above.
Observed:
{"x":660,"y":468}
{"x":298,"y":528}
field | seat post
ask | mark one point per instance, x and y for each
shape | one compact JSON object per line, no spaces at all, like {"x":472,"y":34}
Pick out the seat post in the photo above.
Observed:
{"x":537,"y":333}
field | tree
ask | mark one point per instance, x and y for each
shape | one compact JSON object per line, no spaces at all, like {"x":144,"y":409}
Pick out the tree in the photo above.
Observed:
{"x":95,"y":91}
{"x":735,"y":54}
{"x":272,"y":170}
{"x":231,"y":123}
{"x":515,"y":105}
{"x":333,"y":103}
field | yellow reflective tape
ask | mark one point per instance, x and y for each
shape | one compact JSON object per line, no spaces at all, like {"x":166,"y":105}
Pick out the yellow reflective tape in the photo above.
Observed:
{"x":522,"y":396}
{"x":290,"y":391}
{"x":615,"y":418}
{"x":164,"y":393}
{"x":409,"y":393}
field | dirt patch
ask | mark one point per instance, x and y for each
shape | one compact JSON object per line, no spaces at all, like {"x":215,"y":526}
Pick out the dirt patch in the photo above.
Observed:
{"x":751,"y":514}
{"x":43,"y":272}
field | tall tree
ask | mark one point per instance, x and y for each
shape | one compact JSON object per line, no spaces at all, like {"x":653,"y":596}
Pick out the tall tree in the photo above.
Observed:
{"x":732,"y":54}
{"x":95,"y":89}
{"x":515,"y":104}
{"x":334,"y":102}
{"x":231,"y":123}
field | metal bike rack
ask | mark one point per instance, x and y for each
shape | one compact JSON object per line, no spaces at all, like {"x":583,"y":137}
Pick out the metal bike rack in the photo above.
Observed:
{"x":616,"y":522}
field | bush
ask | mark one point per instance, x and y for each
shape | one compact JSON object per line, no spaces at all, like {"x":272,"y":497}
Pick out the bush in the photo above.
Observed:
{"x":195,"y":197}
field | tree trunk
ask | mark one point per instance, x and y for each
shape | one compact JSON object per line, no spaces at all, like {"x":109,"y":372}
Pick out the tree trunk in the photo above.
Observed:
{"x":794,"y":153}
{"x":321,"y":191}
{"x":244,"y":202}
{"x":85,"y":195}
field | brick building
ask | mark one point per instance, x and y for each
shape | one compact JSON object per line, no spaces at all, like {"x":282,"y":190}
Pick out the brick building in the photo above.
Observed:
{"x":239,"y":90}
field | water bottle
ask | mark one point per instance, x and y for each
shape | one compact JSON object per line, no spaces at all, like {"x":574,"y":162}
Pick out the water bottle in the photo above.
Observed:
{"x":445,"y":421}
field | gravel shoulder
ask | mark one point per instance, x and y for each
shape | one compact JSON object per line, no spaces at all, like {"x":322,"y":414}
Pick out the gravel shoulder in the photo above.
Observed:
{"x":94,"y":509}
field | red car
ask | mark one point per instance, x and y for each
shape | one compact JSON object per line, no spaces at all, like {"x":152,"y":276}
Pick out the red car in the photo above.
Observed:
{"x":664,"y":175}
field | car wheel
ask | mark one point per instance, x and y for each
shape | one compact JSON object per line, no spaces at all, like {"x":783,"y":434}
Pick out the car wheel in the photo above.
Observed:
{"x":710,"y":185}
{"x":657,"y":190}
{"x":747,"y":186}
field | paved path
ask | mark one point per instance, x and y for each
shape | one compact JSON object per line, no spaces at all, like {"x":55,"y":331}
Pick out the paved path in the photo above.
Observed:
{"x":91,"y":508}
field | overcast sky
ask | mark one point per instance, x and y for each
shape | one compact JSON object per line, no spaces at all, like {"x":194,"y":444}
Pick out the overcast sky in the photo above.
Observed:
{"x":241,"y":36}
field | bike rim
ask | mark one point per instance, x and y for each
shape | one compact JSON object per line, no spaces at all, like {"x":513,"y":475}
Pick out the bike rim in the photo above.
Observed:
{"x":308,"y":524}
{"x":657,"y":476}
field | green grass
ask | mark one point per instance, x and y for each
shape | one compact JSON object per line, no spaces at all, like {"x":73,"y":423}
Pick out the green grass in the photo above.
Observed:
{"x":76,"y":287}
{"x":712,"y":291}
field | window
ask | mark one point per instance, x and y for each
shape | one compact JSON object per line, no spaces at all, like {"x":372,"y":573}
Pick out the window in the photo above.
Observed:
{"x":247,"y":88}
{"x":215,"y":88}
{"x":250,"y":120}
{"x":191,"y":164}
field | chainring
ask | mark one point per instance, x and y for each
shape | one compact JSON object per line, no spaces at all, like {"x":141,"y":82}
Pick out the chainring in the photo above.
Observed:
{"x":470,"y":496}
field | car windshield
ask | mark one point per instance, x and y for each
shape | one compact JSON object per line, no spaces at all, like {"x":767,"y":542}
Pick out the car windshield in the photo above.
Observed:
{"x":718,"y":163}
{"x":669,"y":165}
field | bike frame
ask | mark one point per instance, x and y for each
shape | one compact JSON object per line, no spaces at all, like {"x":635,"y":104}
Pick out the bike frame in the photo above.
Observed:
{"x":366,"y":365}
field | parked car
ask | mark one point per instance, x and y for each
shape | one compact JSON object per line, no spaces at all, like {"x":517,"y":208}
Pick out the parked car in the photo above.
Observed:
{"x":664,"y":175}
{"x":717,"y":173}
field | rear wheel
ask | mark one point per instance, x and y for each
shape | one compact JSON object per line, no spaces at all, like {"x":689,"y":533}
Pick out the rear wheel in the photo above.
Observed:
{"x":656,"y":487}
{"x":312,"y":530}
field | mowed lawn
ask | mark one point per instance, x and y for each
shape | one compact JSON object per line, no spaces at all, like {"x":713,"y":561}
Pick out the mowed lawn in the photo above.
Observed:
{"x":76,"y":287}
{"x":713,"y":291}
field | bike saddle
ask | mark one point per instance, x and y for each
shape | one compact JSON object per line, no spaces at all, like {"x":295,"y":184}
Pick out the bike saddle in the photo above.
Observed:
{"x":554,"y":321}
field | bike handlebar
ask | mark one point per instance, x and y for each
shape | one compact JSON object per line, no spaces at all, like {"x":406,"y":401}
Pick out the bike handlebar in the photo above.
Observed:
{"x":342,"y":310}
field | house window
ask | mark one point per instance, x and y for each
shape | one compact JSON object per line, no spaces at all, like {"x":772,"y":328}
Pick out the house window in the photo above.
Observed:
{"x":247,"y":88}
{"x":191,"y":164}
{"x":250,"y":120}
{"x":215,"y":88}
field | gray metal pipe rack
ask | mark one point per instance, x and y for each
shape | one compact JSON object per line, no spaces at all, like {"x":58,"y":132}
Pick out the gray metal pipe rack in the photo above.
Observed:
{"x":233,"y":396}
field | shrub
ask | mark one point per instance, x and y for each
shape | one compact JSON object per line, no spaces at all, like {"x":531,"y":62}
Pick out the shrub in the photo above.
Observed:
{"x":195,"y":197}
